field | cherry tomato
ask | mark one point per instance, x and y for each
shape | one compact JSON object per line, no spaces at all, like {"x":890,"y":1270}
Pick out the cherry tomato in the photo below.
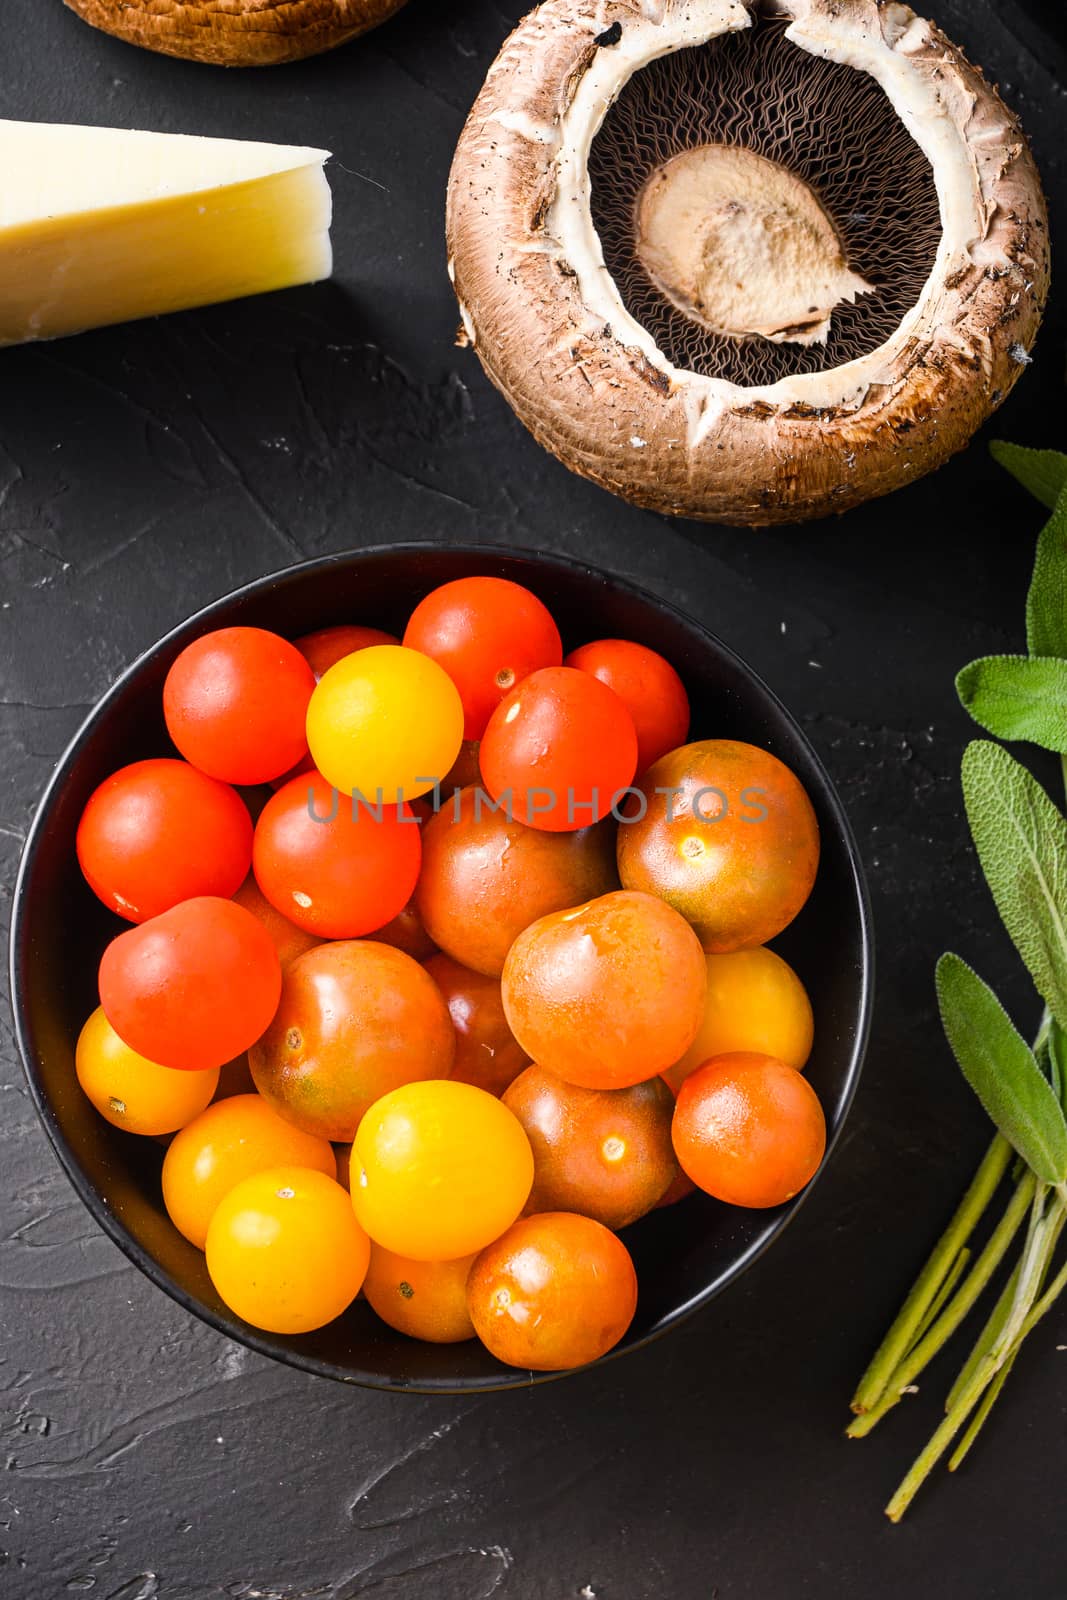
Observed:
{"x":289,"y":940}
{"x":556,"y":1291}
{"x":424,"y":1299}
{"x":159,"y":832}
{"x":682,"y":1187}
{"x":607,"y":994}
{"x":192,"y":987}
{"x":324,"y":648}
{"x":407,"y":931}
{"x":562,"y":746}
{"x":648,"y":686}
{"x":131,"y":1092}
{"x":749,"y":1130}
{"x":755,"y":1001}
{"x":285,"y":1252}
{"x":728,"y":837}
{"x":485,"y":878}
{"x":335,"y":867}
{"x":235,"y":702}
{"x":464,"y":771}
{"x":387,"y":720}
{"x":487,"y":1052}
{"x":438,"y":1170}
{"x":604,"y":1153}
{"x":488,"y":634}
{"x":356,"y":1019}
{"x":235,"y":1077}
{"x":227,"y":1143}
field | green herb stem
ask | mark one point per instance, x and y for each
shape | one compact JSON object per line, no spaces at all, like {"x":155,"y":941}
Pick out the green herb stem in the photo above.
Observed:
{"x":945,"y":1325}
{"x":1023,"y":1315}
{"x":977,"y":1422}
{"x":986,"y":1339}
{"x":901,"y":1335}
{"x":938,"y":1302}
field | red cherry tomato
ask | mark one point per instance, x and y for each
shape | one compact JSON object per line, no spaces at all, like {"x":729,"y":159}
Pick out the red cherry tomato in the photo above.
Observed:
{"x":328,"y":645}
{"x":235,"y":703}
{"x":194,"y":987}
{"x":649,"y":687}
{"x":488,"y":634}
{"x":564,"y":745}
{"x":159,"y":832}
{"x":335,"y":868}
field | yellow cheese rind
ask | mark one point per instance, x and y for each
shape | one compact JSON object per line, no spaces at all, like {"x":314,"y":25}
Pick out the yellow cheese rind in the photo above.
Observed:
{"x":172,"y":237}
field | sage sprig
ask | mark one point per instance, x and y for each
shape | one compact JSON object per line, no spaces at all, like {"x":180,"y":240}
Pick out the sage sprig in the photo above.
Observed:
{"x":1020,"y":837}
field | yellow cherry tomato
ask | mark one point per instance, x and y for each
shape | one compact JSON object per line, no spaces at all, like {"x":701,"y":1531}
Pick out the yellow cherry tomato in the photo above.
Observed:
{"x":439,"y":1170}
{"x":755,"y":1002}
{"x":284,"y":1250}
{"x":385,"y":719}
{"x":424,"y":1299}
{"x":229,"y":1142}
{"x":132,"y":1092}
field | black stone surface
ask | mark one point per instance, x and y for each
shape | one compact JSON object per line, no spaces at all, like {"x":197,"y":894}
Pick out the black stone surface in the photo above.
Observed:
{"x":148,"y":468}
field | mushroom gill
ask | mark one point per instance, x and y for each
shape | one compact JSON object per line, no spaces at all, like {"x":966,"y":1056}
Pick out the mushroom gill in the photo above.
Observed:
{"x":763,"y":211}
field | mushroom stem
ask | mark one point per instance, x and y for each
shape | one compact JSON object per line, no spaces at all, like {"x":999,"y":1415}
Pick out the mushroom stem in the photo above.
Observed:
{"x":743,"y":246}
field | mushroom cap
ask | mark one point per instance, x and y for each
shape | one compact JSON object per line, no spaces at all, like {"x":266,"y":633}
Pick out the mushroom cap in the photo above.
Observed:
{"x":553,"y":334}
{"x":236,"y":33}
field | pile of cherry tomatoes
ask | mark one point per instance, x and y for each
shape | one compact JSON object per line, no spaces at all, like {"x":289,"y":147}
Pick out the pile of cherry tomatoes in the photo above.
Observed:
{"x":448,"y":961}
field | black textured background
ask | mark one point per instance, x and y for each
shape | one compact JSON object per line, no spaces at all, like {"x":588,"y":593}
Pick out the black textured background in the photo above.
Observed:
{"x":146,"y":469}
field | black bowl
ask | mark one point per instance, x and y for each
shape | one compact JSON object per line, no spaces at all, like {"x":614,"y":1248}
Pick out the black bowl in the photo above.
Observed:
{"x":686,"y":1254}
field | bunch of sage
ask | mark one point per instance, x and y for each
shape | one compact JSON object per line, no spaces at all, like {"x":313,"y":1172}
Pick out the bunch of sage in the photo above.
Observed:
{"x":1021,"y":840}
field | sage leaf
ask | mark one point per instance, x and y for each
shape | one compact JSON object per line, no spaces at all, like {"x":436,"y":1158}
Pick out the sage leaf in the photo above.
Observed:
{"x":1021,"y":840}
{"x":1046,"y":603}
{"x":1002,"y":1070}
{"x":1018,"y":697}
{"x":1043,"y":472}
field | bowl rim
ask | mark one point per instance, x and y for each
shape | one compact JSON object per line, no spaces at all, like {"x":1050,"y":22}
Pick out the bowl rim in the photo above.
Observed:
{"x":18,"y":957}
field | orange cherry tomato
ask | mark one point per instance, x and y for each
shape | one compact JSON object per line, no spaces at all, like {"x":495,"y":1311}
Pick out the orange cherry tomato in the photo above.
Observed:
{"x":424,"y":1299}
{"x":407,"y":932}
{"x":326,"y":646}
{"x":194,"y":987}
{"x":749,"y":1130}
{"x":604,"y":1153}
{"x":465,"y":770}
{"x":235,"y":1077}
{"x":755,"y":1001}
{"x":438,"y":1170}
{"x":487,"y":1052}
{"x":560,"y":750}
{"x":336,"y":868}
{"x":131,"y":1092}
{"x":158,"y":832}
{"x":728,"y":837}
{"x":682,"y":1187}
{"x":356,"y":1019}
{"x":235,"y":701}
{"x":227,"y":1143}
{"x":488,"y":634}
{"x":285,"y":1252}
{"x":289,"y":940}
{"x":485,"y":878}
{"x":648,"y":686}
{"x":607,"y":994}
{"x":556,"y":1291}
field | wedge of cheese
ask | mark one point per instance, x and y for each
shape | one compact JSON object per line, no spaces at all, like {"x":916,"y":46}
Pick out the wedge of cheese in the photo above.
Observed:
{"x":101,"y":225}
